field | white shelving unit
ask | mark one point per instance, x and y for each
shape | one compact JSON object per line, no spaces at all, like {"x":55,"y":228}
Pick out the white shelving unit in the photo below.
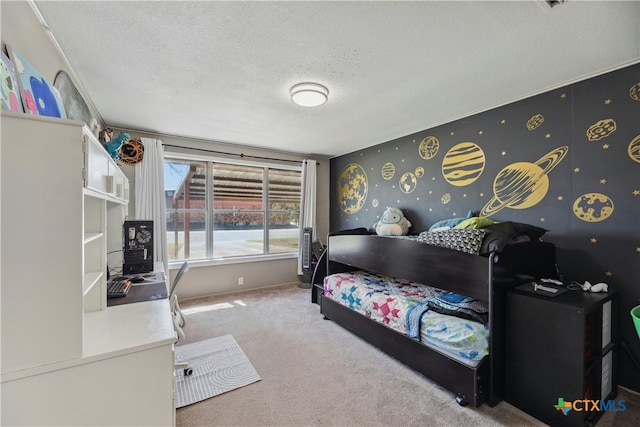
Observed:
{"x":63,"y":351}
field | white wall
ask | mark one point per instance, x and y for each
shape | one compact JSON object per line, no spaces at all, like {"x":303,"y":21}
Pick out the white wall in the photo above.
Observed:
{"x":21,"y":29}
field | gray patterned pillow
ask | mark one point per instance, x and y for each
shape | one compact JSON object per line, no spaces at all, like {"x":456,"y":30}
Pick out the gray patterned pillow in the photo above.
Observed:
{"x":463,"y":240}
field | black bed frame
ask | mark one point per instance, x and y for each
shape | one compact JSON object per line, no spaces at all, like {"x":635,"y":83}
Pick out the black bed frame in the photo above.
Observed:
{"x":448,"y":269}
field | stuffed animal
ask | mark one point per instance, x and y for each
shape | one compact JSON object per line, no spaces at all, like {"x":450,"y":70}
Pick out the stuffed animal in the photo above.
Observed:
{"x":392,"y":223}
{"x":113,"y":146}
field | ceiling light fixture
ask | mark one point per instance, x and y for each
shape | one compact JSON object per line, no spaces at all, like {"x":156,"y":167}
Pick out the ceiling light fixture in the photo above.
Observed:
{"x":309,"y":94}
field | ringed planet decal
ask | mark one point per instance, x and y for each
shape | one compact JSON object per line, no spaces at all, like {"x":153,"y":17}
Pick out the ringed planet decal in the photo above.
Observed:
{"x":593,"y":207}
{"x":463,"y":164}
{"x":522,"y":185}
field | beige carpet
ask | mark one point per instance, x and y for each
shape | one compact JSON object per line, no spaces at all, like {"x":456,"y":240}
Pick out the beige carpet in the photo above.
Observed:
{"x":315,"y":373}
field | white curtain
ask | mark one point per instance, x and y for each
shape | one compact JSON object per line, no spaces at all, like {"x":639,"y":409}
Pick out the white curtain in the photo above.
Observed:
{"x":307,"y":203}
{"x":149,"y":196}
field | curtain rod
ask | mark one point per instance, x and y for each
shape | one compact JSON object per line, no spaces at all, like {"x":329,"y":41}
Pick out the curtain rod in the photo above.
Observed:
{"x":241,"y":155}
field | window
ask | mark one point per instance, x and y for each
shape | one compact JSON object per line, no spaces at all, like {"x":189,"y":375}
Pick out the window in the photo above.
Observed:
{"x":224,"y":210}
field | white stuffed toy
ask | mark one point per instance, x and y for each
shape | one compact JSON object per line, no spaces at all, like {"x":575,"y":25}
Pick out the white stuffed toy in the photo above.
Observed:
{"x":392,"y":223}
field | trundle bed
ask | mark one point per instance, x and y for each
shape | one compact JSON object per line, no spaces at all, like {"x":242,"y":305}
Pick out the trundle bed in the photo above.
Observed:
{"x":480,"y":282}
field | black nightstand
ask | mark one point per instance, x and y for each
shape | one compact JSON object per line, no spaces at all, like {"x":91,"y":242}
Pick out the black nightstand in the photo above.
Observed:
{"x":560,"y":349}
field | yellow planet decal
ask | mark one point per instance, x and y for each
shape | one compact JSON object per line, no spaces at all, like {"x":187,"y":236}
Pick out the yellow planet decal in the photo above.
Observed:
{"x":634,"y":149}
{"x":463,"y":164}
{"x":388,"y":171}
{"x":522,"y":185}
{"x":601,"y":129}
{"x":352,"y":188}
{"x":535,"y":121}
{"x":634,"y":92}
{"x":419,"y":172}
{"x":429,"y":147}
{"x":408,"y":182}
{"x":445,"y":198}
{"x":593,"y":207}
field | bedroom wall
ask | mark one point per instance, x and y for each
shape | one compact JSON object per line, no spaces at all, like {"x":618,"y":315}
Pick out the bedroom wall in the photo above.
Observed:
{"x":567,"y":160}
{"x":21,"y":29}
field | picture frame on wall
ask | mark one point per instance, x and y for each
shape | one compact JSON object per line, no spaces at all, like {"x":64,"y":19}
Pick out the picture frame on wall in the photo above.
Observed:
{"x":11,"y":99}
{"x":39,"y":97}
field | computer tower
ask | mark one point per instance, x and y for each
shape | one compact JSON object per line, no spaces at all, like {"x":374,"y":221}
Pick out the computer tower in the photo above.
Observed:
{"x":138,"y":247}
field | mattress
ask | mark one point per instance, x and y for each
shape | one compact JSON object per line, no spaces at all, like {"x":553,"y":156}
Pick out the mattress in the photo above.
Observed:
{"x":418,"y":311}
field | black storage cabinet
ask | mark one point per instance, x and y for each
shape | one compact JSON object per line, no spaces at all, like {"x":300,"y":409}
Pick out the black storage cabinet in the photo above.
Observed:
{"x":561,"y":347}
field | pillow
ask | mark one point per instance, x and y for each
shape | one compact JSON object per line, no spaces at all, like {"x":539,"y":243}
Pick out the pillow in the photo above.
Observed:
{"x":463,"y":240}
{"x":475,"y":222}
{"x":450,"y":223}
{"x":500,"y":234}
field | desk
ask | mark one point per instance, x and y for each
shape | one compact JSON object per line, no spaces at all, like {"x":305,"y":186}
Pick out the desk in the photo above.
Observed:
{"x":127,"y":360}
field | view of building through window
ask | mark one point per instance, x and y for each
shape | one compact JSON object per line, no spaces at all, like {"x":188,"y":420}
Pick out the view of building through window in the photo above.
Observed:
{"x":223,"y":210}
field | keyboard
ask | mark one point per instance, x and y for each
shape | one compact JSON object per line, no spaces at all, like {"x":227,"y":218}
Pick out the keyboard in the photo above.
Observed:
{"x":118,"y":288}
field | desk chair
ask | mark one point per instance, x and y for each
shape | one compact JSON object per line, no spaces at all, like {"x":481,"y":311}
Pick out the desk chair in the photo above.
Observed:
{"x":178,"y":318}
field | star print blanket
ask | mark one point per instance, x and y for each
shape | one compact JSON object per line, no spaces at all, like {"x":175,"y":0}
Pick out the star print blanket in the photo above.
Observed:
{"x":451,"y":322}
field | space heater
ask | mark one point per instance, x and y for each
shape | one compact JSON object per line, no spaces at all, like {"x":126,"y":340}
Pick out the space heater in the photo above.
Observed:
{"x":307,"y":267}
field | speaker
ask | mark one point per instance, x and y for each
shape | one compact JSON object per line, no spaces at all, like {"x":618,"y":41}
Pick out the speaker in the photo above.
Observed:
{"x":138,"y":247}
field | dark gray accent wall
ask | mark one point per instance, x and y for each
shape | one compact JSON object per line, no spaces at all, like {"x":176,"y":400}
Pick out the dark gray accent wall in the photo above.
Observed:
{"x":567,"y":160}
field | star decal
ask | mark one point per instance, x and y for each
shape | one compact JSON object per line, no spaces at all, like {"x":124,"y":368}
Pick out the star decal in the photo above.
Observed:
{"x":636,"y":192}
{"x":594,"y":240}
{"x":548,"y":136}
{"x":503,"y":121}
{"x":560,"y":198}
{"x":576,"y":170}
{"x":480,"y":132}
{"x":607,"y":101}
{"x":608,"y":273}
{"x":564,"y":95}
{"x":603,"y":181}
{"x":605,"y":146}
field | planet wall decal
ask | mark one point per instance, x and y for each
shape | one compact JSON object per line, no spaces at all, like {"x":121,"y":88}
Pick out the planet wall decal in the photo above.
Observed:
{"x":463,"y":164}
{"x":429,"y":147}
{"x":593,"y":207}
{"x":388,"y":171}
{"x":522,"y":185}
{"x":352,"y":188}
{"x":535,"y":121}
{"x":601,"y":129}
{"x":634,"y":92}
{"x":634,"y":149}
{"x":408,"y":182}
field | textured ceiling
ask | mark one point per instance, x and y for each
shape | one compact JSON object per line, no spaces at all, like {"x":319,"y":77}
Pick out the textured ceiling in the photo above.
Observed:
{"x":221,"y":71}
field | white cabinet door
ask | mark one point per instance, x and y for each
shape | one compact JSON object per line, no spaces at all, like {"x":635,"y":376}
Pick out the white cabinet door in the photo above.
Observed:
{"x":97,"y":165}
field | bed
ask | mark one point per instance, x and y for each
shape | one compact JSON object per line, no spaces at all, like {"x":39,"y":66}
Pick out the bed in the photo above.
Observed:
{"x":473,"y":373}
